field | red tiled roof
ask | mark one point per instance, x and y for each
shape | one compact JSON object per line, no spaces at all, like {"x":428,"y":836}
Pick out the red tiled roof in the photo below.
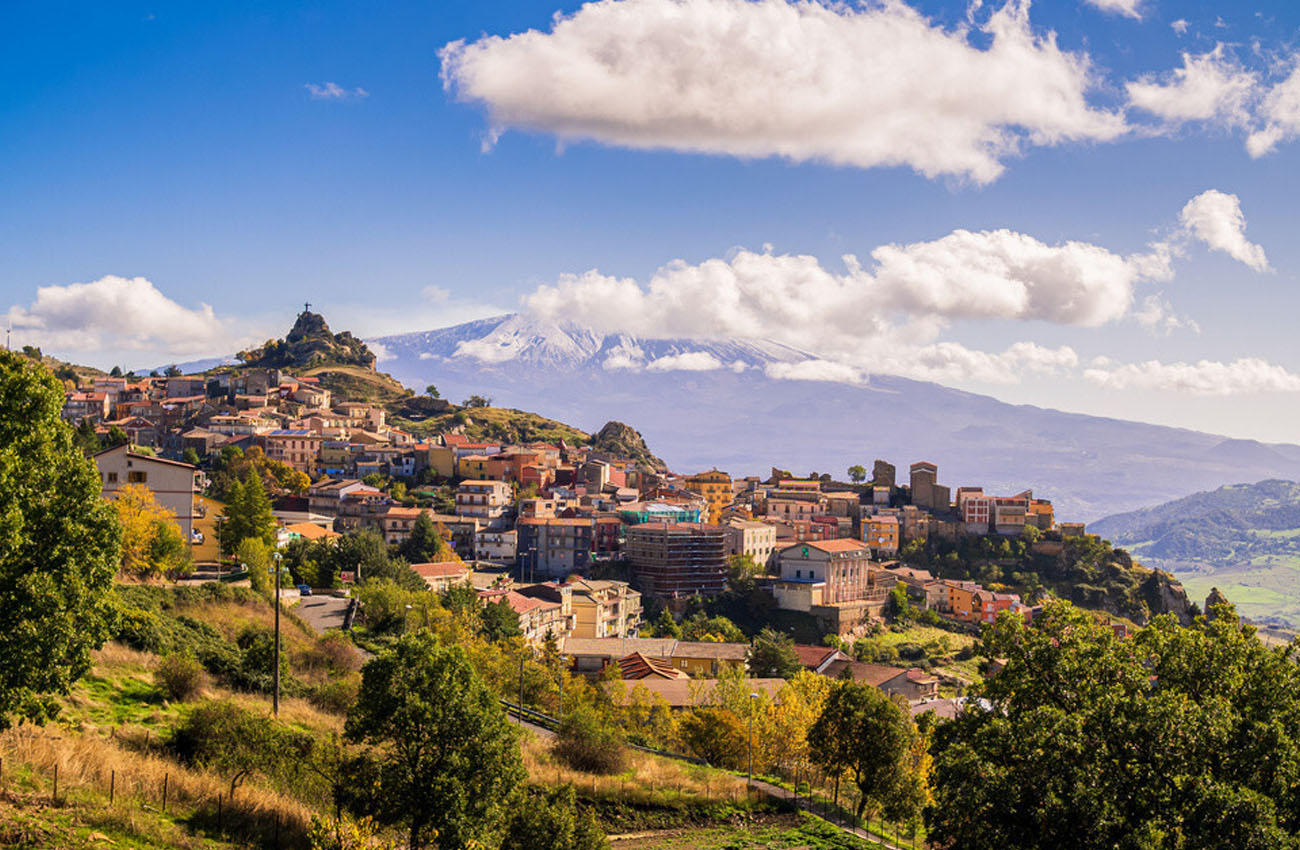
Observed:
{"x":440,"y":569}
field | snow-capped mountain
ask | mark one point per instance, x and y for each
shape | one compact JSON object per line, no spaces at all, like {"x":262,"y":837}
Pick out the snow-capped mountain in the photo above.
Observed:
{"x":739,"y":405}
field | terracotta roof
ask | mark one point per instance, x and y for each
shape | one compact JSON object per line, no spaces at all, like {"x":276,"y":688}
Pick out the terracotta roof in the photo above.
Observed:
{"x":617,"y":647}
{"x":440,"y":569}
{"x":638,"y":666}
{"x":686,"y":693}
{"x":813,"y":657}
{"x":873,"y":674}
{"x":311,"y":531}
{"x":841,"y":544}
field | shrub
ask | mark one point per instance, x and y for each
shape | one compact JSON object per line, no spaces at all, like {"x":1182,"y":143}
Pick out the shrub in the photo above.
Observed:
{"x":238,"y":743}
{"x":552,"y":821}
{"x":337,"y":695}
{"x":590,"y":743}
{"x":179,"y":676}
{"x":333,"y":652}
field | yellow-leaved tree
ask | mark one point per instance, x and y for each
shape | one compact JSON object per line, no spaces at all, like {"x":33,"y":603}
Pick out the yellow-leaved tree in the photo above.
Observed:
{"x":152,"y":545}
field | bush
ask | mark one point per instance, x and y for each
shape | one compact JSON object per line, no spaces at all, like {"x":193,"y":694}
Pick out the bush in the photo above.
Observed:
{"x":552,"y":821}
{"x":333,"y":653}
{"x":179,"y":676}
{"x":590,"y":743}
{"x":337,"y":695}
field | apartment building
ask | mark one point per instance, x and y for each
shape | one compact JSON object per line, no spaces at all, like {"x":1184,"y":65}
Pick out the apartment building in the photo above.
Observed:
{"x":715,"y":487}
{"x":481,"y":499}
{"x":172,"y":483}
{"x":755,"y":539}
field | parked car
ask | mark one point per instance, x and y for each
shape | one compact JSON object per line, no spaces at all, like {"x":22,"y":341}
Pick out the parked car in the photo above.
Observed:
{"x":304,"y":590}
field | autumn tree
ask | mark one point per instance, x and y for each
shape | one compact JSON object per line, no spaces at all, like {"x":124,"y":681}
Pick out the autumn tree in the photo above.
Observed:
{"x":152,"y":545}
{"x":717,"y":735}
{"x":59,"y":547}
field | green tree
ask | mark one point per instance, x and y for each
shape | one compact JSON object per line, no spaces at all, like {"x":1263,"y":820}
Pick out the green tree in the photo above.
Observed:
{"x":247,"y":514}
{"x":665,"y":626}
{"x":711,"y":629}
{"x":254,"y":554}
{"x":191,"y":457}
{"x":59,"y":547}
{"x":173,"y":371}
{"x":551,"y":820}
{"x":425,"y":544}
{"x":432,"y":392}
{"x":238,"y":743}
{"x":86,"y":438}
{"x":772,"y":656}
{"x":857,"y":473}
{"x":743,"y":569}
{"x":1175,"y":737}
{"x":116,"y":437}
{"x":499,"y":621}
{"x":447,"y":759}
{"x":863,"y":733}
{"x":477,"y":401}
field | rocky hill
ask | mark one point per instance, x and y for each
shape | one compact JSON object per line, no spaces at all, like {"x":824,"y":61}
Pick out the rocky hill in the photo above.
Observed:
{"x":310,"y":344}
{"x":1243,"y":539}
{"x":626,"y":442}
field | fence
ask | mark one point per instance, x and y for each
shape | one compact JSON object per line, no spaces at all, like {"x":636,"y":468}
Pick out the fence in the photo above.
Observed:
{"x":129,"y":777}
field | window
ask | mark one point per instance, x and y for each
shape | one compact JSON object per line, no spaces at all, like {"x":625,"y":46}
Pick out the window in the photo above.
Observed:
{"x":112,"y":478}
{"x":137,"y":477}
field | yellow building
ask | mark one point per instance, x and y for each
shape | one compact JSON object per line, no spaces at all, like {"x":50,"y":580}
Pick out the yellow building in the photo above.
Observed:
{"x":442,"y":460}
{"x":715,"y":487}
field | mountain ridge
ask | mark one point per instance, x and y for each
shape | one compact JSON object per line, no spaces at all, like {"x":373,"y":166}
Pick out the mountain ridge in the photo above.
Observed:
{"x":747,"y":405}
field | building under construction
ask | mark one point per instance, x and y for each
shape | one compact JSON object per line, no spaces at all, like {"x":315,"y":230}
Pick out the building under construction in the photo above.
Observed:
{"x":674,"y":560}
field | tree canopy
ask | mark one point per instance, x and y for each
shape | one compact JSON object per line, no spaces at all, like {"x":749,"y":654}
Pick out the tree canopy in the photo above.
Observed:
{"x":772,"y":656}
{"x":445,"y":758}
{"x":59,"y":547}
{"x":152,"y":544}
{"x":247,"y":514}
{"x":1176,"y":737}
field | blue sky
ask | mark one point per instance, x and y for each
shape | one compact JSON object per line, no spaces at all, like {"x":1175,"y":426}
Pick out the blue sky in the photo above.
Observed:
{"x":182,"y":144}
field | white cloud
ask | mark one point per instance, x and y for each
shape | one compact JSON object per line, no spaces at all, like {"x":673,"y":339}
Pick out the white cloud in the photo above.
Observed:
{"x":689,"y":361}
{"x":1216,"y":219}
{"x":333,"y":91}
{"x":1205,"y":377}
{"x":910,"y":293}
{"x":1280,"y":114}
{"x":381,"y":351}
{"x":865,"y":86}
{"x":815,"y":370}
{"x":951,"y":361}
{"x":1180,"y":26}
{"x":120,"y":314}
{"x":1127,"y":8}
{"x":1156,"y":315}
{"x":437,"y":294}
{"x":1209,"y":87}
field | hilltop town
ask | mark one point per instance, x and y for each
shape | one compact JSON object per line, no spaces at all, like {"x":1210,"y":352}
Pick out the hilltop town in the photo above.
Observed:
{"x":578,"y":536}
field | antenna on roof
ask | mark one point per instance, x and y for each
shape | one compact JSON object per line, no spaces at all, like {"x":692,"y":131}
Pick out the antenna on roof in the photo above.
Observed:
{"x":306,"y":307}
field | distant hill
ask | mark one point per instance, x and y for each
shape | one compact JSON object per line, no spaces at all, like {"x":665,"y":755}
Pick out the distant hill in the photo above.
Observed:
{"x":1243,"y":538}
{"x":733,"y":404}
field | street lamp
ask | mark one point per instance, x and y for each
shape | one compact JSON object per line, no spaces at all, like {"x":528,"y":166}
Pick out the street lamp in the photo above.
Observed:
{"x":753,"y":697}
{"x":406,"y":620}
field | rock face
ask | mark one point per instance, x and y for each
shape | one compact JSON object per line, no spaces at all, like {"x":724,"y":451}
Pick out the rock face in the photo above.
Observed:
{"x":1163,"y":595}
{"x":310,"y":343}
{"x":626,"y":442}
{"x":1216,"y":597}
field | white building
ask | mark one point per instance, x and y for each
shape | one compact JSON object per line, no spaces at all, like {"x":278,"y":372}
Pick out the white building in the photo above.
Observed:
{"x":172,"y":483}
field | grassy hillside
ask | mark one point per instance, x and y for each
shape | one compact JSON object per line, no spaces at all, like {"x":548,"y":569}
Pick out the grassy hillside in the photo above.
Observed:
{"x":115,"y":736}
{"x":497,"y":423}
{"x":1243,"y":539}
{"x":357,"y":383}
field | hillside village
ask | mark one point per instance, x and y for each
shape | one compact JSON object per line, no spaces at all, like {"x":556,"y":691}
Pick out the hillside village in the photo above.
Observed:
{"x":579,"y":539}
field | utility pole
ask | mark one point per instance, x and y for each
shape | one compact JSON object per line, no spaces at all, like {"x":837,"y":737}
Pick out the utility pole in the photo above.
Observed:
{"x":521,"y":689}
{"x":275,"y":699}
{"x":752,"y":698}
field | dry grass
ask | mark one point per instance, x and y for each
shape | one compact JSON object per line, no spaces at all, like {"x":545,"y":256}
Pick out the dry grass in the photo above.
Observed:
{"x":89,"y":762}
{"x":649,"y":780}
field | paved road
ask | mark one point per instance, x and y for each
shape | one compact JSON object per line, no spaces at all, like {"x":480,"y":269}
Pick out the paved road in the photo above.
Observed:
{"x":322,"y":612}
